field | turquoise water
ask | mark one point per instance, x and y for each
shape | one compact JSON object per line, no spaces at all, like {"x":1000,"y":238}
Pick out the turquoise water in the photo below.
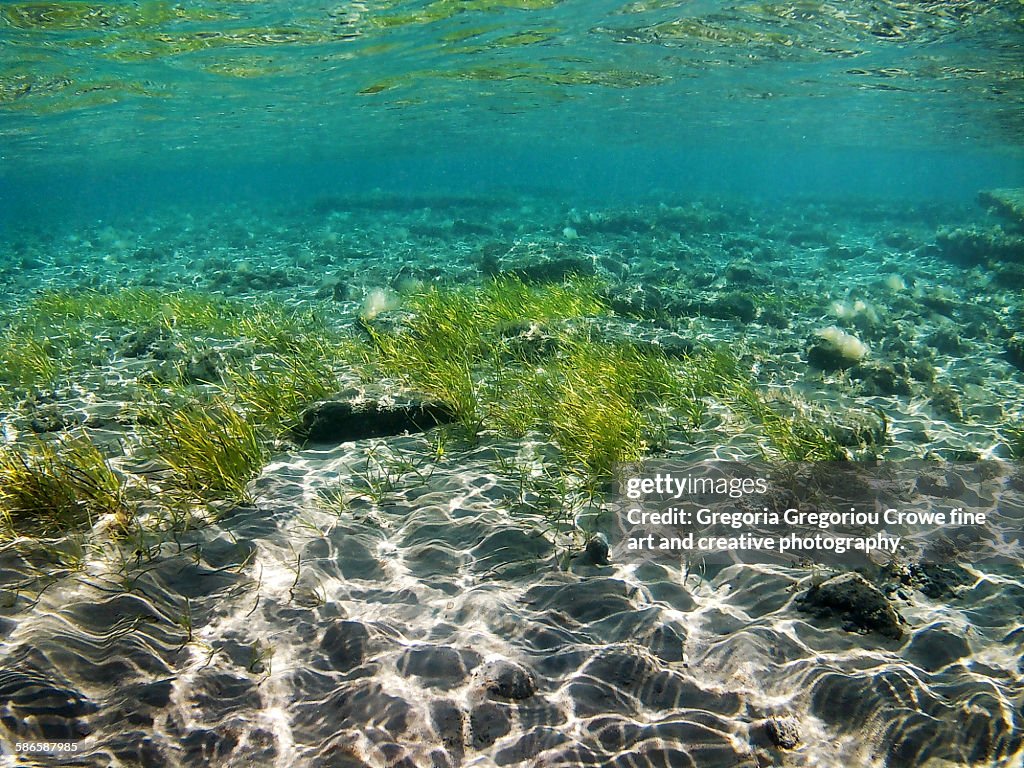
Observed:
{"x":328,"y":332}
{"x":152,"y":100}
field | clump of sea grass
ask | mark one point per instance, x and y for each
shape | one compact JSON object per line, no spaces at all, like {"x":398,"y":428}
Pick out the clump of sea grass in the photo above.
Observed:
{"x":209,"y":450}
{"x":275,"y":389}
{"x":452,"y":335}
{"x":56,"y":488}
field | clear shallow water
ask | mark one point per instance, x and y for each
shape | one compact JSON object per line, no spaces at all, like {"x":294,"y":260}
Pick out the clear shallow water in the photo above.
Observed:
{"x":807,"y":155}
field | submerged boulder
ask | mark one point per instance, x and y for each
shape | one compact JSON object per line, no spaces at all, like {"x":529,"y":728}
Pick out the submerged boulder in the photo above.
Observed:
{"x":857,"y":603}
{"x":344,"y":419}
{"x":1008,"y":203}
{"x":784,"y":732}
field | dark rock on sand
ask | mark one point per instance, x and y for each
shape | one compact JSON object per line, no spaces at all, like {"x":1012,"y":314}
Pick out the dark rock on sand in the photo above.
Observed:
{"x":854,"y":601}
{"x":935,"y":580}
{"x":502,"y":679}
{"x":344,"y":420}
{"x":448,"y":722}
{"x":50,"y":417}
{"x":784,"y":732}
{"x":946,"y":403}
{"x":596,"y":551}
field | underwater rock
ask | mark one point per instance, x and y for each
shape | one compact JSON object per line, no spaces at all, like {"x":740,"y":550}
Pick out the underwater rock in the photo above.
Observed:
{"x":857,"y":603}
{"x":946,"y":340}
{"x":342,"y":421}
{"x":50,"y":417}
{"x":973,"y":245}
{"x":151,"y":341}
{"x":834,"y":350}
{"x":881,"y":379}
{"x":1010,"y":276}
{"x":596,"y":551}
{"x":784,"y":732}
{"x":734,"y":305}
{"x":333,"y":287}
{"x":448,"y":723}
{"x":1015,"y":350}
{"x":743,"y":272}
{"x":937,"y":581}
{"x":946,"y":402}
{"x":857,"y":429}
{"x":540,"y":268}
{"x":507,"y":680}
{"x":1008,"y":203}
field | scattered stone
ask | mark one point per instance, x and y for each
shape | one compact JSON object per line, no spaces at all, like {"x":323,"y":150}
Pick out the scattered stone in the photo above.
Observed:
{"x":437,"y":665}
{"x":345,"y":420}
{"x":51,"y":417}
{"x":742,"y":272}
{"x":947,"y":341}
{"x":784,"y":732}
{"x":937,"y":581}
{"x":596,"y":551}
{"x":941,"y":485}
{"x":922,"y":370}
{"x":203,"y":367}
{"x":858,"y":429}
{"x":880,"y":379}
{"x":1010,"y":276}
{"x":448,"y":723}
{"x":857,"y":603}
{"x":834,"y":350}
{"x":152,"y":341}
{"x":503,"y":679}
{"x":334,"y":288}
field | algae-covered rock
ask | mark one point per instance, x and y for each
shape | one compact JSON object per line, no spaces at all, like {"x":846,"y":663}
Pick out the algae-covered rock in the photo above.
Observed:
{"x":857,"y":603}
{"x":881,"y":379}
{"x":342,"y":420}
{"x":1015,"y":350}
{"x":973,"y":245}
{"x":539,"y":267}
{"x":1008,"y":203}
{"x":784,"y":732}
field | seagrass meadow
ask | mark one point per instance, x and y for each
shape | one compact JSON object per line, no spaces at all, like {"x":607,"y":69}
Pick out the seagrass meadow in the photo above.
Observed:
{"x":332,"y":334}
